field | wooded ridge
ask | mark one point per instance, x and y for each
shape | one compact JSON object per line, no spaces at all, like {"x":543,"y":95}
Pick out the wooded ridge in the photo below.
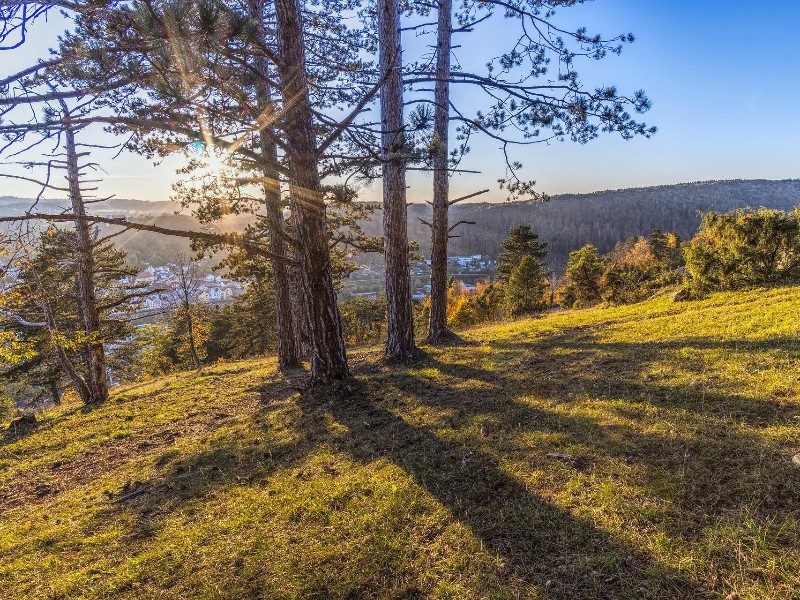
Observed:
{"x":566,"y":222}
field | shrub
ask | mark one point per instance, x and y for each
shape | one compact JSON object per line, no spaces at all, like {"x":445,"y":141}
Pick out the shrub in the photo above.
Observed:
{"x":363,"y":318}
{"x":584,"y":273}
{"x":640,"y":266}
{"x":489,"y":302}
{"x":744,"y":248}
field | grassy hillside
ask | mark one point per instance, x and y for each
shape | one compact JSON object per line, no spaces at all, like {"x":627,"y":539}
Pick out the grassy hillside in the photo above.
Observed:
{"x":674,"y":425}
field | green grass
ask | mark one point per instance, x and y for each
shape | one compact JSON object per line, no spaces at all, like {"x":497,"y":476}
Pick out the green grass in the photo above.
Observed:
{"x":433,"y":479}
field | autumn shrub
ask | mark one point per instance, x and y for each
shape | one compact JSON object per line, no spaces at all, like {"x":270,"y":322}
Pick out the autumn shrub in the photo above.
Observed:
{"x":468,"y":307}
{"x":636,"y":269}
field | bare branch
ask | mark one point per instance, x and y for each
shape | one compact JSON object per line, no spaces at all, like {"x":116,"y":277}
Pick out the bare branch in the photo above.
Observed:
{"x":467,"y":197}
{"x":21,"y":321}
{"x":460,"y":223}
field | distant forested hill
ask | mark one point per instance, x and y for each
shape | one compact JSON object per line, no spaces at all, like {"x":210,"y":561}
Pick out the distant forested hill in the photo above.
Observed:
{"x":10,"y":205}
{"x":569,"y":221}
{"x":143,"y":248}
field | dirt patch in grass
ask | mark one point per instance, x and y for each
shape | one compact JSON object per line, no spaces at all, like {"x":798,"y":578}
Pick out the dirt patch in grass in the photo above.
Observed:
{"x":64,"y":474}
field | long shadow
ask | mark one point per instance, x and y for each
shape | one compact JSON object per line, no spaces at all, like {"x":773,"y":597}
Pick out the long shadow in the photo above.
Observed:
{"x":576,"y":361}
{"x":11,"y":435}
{"x":16,"y":430}
{"x":449,"y":340}
{"x":541,"y":544}
{"x":702,"y":477}
{"x":227,"y":461}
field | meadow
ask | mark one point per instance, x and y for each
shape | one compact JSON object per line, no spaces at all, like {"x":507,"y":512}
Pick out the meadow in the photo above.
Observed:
{"x":642,"y":451}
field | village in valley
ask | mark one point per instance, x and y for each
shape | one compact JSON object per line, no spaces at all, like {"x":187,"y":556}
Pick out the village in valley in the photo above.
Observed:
{"x":161,"y":284}
{"x":368,"y":279}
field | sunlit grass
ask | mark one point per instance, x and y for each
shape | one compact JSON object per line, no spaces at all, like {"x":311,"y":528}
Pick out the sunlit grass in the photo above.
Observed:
{"x":673,"y":427}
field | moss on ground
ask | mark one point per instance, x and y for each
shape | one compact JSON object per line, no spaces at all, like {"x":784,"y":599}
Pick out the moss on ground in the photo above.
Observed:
{"x":673,"y":427}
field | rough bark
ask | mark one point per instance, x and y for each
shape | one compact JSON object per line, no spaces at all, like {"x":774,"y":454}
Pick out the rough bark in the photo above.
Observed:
{"x":96,"y":377}
{"x":437,"y":324}
{"x":299,"y":302}
{"x":400,"y":321}
{"x":328,"y":358}
{"x":288,"y":355}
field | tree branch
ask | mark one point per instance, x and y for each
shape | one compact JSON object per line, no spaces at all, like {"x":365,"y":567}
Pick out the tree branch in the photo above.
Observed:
{"x":229,"y":239}
{"x":467,"y":197}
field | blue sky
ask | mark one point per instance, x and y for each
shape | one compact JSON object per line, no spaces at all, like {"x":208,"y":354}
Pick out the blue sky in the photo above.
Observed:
{"x":722,"y":75}
{"x":724,"y":78}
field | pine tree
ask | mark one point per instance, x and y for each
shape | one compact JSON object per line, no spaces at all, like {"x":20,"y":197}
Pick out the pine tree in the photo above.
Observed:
{"x":584,"y":272}
{"x":526,"y":286}
{"x":44,"y":310}
{"x":394,"y":155}
{"x":437,"y":323}
{"x":521,"y":242}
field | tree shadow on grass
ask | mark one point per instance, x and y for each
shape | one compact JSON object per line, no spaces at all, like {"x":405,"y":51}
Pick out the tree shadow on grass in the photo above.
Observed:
{"x":242,"y":458}
{"x":13,"y":434}
{"x":17,"y":430}
{"x":450,"y":339}
{"x":576,"y":362}
{"x":712,"y":461}
{"x":539,"y":543}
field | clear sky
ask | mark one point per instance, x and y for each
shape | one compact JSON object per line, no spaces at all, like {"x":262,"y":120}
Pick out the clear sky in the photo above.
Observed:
{"x":723,"y":76}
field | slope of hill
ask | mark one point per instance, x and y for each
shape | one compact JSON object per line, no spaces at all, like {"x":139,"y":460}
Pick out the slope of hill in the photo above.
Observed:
{"x":567,"y":222}
{"x":143,"y":248}
{"x":604,"y":218}
{"x":11,"y":205}
{"x":634,"y":452}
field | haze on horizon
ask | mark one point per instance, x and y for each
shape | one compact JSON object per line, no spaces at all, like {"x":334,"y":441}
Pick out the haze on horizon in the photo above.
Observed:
{"x":718,"y":74}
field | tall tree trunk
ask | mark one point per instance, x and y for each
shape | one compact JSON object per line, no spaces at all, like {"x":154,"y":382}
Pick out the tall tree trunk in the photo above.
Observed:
{"x":288,"y":355}
{"x":400,"y":321}
{"x":190,"y":333}
{"x":328,"y":357}
{"x":96,"y":378}
{"x":84,"y":392}
{"x":437,"y":325}
{"x":299,"y":303}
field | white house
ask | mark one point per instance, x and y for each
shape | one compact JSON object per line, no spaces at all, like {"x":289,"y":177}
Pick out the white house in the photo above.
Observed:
{"x":146,"y":277}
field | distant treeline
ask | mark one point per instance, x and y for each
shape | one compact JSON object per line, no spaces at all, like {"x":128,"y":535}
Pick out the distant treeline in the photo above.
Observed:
{"x":602,"y":219}
{"x":142,"y":248}
{"x":565,"y":223}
